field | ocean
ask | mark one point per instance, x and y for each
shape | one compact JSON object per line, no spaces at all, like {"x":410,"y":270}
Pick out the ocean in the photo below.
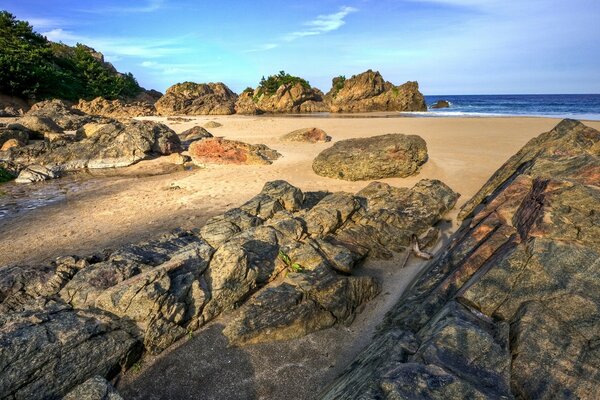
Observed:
{"x":576,"y":106}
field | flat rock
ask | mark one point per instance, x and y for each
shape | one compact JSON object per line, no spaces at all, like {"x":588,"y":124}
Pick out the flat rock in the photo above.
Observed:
{"x":309,"y":135}
{"x":223,"y":151}
{"x":376,"y":157}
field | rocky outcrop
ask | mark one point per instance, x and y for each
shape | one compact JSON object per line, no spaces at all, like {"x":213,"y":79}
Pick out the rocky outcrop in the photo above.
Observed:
{"x":12,"y":106}
{"x":36,"y":127}
{"x":376,"y":157}
{"x":118,"y":109}
{"x":60,"y":112}
{"x":289,"y":98}
{"x":285,"y":259}
{"x":112,"y":145}
{"x":511,"y":309}
{"x":441,"y":104}
{"x":13,"y":132}
{"x":369,"y":92}
{"x":309,"y":135}
{"x":222,"y":151}
{"x":190,"y":98}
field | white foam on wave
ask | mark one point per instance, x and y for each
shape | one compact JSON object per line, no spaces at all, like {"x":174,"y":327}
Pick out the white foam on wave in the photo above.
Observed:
{"x":590,"y":117}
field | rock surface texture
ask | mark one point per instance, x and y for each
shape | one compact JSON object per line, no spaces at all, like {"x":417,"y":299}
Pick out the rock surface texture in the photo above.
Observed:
{"x":12,"y":106}
{"x":511,"y":309}
{"x":190,"y":98}
{"x":62,"y":113}
{"x":222,"y":151}
{"x":368,"y":91}
{"x":309,"y":135}
{"x":116,"y":108}
{"x":376,"y":157}
{"x":289,"y":98}
{"x":284,"y":259}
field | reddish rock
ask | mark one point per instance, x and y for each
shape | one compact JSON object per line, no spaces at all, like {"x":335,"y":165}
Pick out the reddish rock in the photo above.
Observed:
{"x":222,"y":151}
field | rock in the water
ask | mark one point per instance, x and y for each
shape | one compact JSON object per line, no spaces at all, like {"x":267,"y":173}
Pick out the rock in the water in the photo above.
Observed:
{"x":212,"y":124}
{"x":61,"y":112}
{"x":511,"y":309}
{"x":385,"y":156}
{"x":441,"y":104}
{"x":369,"y":92}
{"x":190,"y":98}
{"x":95,"y":388}
{"x":36,"y":173}
{"x":112,"y":145}
{"x":116,"y":108}
{"x":222,"y":151}
{"x":310,"y":135}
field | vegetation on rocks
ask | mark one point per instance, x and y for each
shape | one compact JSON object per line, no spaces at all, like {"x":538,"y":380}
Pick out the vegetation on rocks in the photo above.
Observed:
{"x":33,"y":67}
{"x":270,"y":85}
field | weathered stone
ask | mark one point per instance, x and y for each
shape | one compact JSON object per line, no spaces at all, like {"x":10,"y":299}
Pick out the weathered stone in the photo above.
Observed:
{"x":441,"y":104}
{"x":289,"y":98}
{"x":116,"y":108}
{"x":222,"y":151}
{"x":18,"y":135}
{"x":195,"y":133}
{"x":190,"y":98}
{"x":212,"y":124}
{"x":385,"y":156}
{"x":36,"y":173}
{"x":95,"y":388}
{"x":61,"y":112}
{"x":309,"y":135}
{"x":38,"y":125}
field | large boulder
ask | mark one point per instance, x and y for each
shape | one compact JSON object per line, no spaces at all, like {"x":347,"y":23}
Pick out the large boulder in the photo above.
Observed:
{"x":376,"y":157}
{"x":511,"y":309}
{"x":116,"y":108}
{"x":441,"y":104}
{"x":222,"y":151}
{"x":36,"y":126}
{"x":190,"y":98}
{"x":309,"y":135}
{"x":61,"y":112}
{"x":114,"y":145}
{"x":368,"y":91}
{"x":289,"y":98}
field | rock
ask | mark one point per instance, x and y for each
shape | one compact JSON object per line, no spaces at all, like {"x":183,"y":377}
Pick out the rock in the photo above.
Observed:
{"x":117,"y":108}
{"x":92,"y":129}
{"x":190,"y":98}
{"x":14,"y":133}
{"x":212,"y":124}
{"x":112,"y":145}
{"x":385,"y":156}
{"x":39,"y":125}
{"x":368,"y":91}
{"x":441,"y":104}
{"x":510,"y":308}
{"x":310,"y":135}
{"x":95,"y":388}
{"x":222,"y":151}
{"x":289,"y":98}
{"x":49,"y":348}
{"x":12,"y":106}
{"x":195,"y":133}
{"x":61,"y":112}
{"x":177,"y":158}
{"x":10,"y":143}
{"x":36,"y":173}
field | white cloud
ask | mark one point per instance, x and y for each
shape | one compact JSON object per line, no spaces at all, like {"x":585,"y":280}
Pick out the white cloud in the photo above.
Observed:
{"x":148,"y":7}
{"x":264,"y":47}
{"x":322,"y":24}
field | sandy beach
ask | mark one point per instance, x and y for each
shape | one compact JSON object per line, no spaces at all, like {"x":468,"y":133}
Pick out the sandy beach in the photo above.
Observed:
{"x":107,"y":208}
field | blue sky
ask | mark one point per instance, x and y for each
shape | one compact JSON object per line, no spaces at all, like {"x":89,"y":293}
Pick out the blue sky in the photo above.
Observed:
{"x":449,"y":46}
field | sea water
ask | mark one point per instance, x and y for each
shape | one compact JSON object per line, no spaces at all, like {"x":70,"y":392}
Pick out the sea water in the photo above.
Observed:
{"x":576,"y":106}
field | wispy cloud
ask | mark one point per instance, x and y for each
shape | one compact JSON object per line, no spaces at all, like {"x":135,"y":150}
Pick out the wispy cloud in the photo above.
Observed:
{"x":322,"y":24}
{"x":148,"y":6}
{"x":264,"y":47}
{"x":119,"y":47}
{"x":44,"y":23}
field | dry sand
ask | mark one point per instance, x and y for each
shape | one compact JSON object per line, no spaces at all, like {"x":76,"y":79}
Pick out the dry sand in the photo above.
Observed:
{"x":128,"y":205}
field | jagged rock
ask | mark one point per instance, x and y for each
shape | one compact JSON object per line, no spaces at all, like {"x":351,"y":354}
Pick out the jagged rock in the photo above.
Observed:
{"x":116,"y":108}
{"x":441,"y":104}
{"x":310,"y":135}
{"x":511,"y":308}
{"x":289,"y":98}
{"x":47,"y":349}
{"x":61,"y":112}
{"x":114,"y":145}
{"x":369,"y":92}
{"x":222,"y":151}
{"x":95,"y":388}
{"x":212,"y":124}
{"x":385,"y":156}
{"x":12,"y":106}
{"x":37,"y":126}
{"x":190,"y":98}
{"x":36,"y":173}
{"x":13,"y":132}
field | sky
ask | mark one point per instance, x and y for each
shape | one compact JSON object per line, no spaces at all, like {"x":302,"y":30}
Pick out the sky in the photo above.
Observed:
{"x":448,"y":46}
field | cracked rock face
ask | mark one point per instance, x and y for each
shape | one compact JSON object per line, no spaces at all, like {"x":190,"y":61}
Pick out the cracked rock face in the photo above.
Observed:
{"x":281,"y":265}
{"x":190,"y":98}
{"x":511,"y":309}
